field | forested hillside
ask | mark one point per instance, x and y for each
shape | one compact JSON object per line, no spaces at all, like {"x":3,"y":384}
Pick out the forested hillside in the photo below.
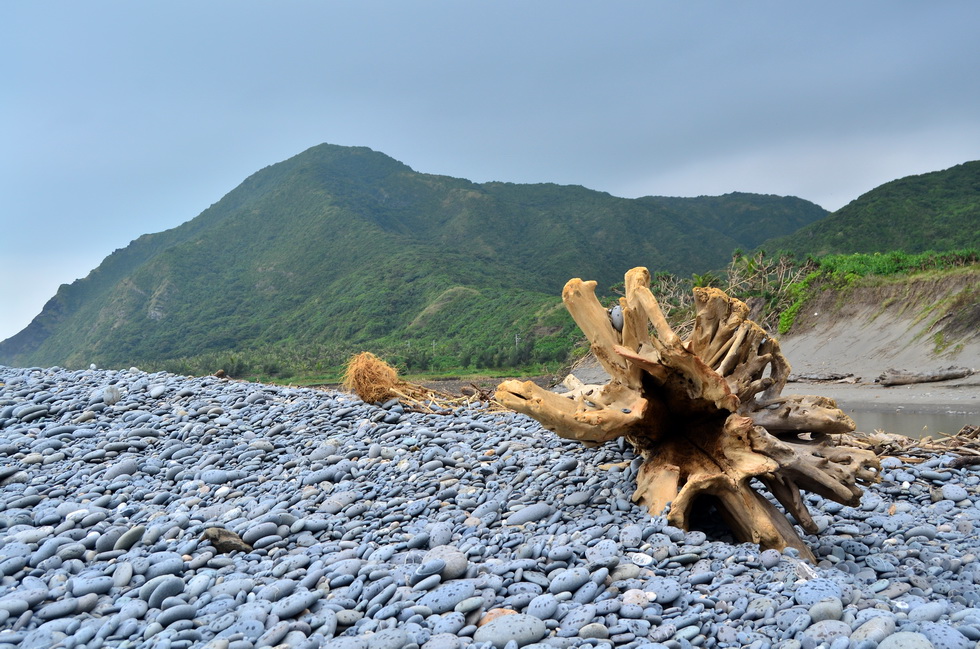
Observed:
{"x":934,"y":211}
{"x":341,"y":249}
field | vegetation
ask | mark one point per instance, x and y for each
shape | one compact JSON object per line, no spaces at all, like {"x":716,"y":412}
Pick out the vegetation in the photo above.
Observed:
{"x":933,"y":211}
{"x":340,"y":250}
{"x":840,"y":272}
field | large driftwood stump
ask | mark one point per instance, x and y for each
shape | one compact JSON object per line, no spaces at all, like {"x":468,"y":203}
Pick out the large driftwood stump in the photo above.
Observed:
{"x":705,"y":414}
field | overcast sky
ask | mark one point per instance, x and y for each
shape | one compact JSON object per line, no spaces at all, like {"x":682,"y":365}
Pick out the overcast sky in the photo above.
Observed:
{"x":119,"y":118}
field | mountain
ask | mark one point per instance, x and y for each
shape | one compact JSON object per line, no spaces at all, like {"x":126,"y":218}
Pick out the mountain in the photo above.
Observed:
{"x":343,"y":248}
{"x":933,"y":211}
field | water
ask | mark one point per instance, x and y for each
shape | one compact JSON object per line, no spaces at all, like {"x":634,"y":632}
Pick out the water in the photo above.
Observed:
{"x":912,"y":424}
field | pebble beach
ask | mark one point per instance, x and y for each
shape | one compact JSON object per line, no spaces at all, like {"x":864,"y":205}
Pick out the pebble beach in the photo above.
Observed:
{"x":154,"y":510}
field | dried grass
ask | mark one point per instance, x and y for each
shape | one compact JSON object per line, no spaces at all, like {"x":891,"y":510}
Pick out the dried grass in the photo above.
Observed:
{"x":375,"y":381}
{"x":370,"y":378}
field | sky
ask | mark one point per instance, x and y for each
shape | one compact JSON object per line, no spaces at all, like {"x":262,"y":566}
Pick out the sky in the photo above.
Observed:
{"x":121,"y":118}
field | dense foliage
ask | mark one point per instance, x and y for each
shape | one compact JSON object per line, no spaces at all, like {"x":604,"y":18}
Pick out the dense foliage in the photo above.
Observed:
{"x":933,"y":211}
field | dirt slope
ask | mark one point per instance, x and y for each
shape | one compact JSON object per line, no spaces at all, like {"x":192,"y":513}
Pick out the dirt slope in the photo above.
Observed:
{"x":920,"y":324}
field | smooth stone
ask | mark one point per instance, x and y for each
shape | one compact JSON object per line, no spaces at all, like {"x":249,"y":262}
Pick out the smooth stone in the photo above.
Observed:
{"x":827,"y":630}
{"x":531,"y":513}
{"x":827,"y":609}
{"x":928,"y":531}
{"x":166,"y":586}
{"x":88,"y":585}
{"x":394,"y":638}
{"x":60,"y":608}
{"x":348,"y":617}
{"x":543,"y":606}
{"x":256,"y":532}
{"x":129,"y":538}
{"x":430,"y":566}
{"x":176,"y":613}
{"x":813,"y":591}
{"x":124,"y":468}
{"x":165,"y":563}
{"x":346,"y":642}
{"x":442,"y":641}
{"x":455,"y":563}
{"x":594,"y":630}
{"x":445,"y":598}
{"x":449,"y":623}
{"x":906,"y":640}
{"x":578,"y":498}
{"x":667,"y":590}
{"x":943,"y":636}
{"x":954,"y":492}
{"x":578,"y":617}
{"x":520,"y":628}
{"x":928,"y":612}
{"x":296,"y":603}
{"x":440,"y":534}
{"x":569,"y":580}
{"x":469,"y":604}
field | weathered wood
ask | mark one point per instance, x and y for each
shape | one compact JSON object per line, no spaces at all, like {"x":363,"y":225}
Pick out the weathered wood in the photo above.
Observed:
{"x":820,"y":377}
{"x":705,"y":414}
{"x":901,"y":377}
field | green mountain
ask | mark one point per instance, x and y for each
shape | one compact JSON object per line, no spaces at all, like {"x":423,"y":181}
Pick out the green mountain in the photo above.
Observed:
{"x":341,"y":249}
{"x":933,"y":211}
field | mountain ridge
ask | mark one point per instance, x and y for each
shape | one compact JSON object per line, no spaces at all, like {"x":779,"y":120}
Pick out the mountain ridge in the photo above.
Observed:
{"x":944,"y":204}
{"x":339,"y":249}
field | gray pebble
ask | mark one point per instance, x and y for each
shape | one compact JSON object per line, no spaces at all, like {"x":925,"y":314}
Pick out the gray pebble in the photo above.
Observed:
{"x":523,"y":629}
{"x":906,"y":640}
{"x":445,"y":598}
{"x":530,"y":514}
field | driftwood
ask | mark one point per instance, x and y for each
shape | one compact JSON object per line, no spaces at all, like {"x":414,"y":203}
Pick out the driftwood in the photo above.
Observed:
{"x":705,"y":414}
{"x":901,"y":377}
{"x":823,"y":377}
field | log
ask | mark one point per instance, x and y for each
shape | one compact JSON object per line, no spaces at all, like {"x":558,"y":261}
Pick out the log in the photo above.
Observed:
{"x":705,"y":414}
{"x":821,"y":377}
{"x":901,"y":377}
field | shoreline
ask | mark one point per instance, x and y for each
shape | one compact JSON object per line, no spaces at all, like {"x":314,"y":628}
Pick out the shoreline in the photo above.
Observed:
{"x":957,"y":397}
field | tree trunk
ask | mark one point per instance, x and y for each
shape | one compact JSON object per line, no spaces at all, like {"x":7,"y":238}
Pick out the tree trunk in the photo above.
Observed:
{"x":901,"y":377}
{"x":705,"y":414}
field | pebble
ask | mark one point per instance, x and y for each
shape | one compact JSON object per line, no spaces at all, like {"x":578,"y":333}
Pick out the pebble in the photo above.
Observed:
{"x":906,"y":640}
{"x":530,"y":514}
{"x":813,"y":591}
{"x":371,"y":527}
{"x":830,"y":608}
{"x":519,"y":628}
{"x":444,"y":598}
{"x":569,"y":580}
{"x":955,"y":492}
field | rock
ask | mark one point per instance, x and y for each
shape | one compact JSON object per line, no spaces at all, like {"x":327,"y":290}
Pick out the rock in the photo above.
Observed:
{"x":530,"y":514}
{"x":830,"y":608}
{"x":569,"y":580}
{"x":906,"y":640}
{"x":225,"y":541}
{"x":813,"y":591}
{"x":454,"y":562}
{"x":444,"y":598}
{"x":520,"y":628}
